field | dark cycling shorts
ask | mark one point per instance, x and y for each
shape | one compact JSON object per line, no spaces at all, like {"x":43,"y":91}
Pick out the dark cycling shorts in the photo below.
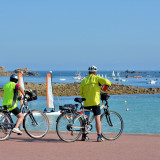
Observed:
{"x":96,"y":110}
{"x":15,"y":111}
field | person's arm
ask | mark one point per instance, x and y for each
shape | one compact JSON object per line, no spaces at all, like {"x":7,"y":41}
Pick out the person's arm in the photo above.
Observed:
{"x":104,"y":81}
{"x":21,"y":90}
{"x":81,"y":90}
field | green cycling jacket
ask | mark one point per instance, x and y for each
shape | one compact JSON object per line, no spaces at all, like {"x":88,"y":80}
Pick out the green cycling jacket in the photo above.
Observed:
{"x":90,"y":89}
{"x":9,"y":95}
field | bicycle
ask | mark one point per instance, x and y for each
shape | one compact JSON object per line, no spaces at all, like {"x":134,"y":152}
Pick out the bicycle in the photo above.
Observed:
{"x":35,"y":123}
{"x":71,"y":123}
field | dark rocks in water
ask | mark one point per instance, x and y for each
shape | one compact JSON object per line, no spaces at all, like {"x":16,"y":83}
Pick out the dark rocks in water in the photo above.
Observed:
{"x":3,"y":72}
{"x":25,"y":72}
{"x":133,"y":72}
{"x":128,"y":71}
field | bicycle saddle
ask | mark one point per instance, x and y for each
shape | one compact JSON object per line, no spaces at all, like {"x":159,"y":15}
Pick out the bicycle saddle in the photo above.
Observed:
{"x":80,"y":100}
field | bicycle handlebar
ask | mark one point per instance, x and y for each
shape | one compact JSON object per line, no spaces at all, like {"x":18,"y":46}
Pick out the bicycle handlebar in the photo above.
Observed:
{"x":23,"y":98}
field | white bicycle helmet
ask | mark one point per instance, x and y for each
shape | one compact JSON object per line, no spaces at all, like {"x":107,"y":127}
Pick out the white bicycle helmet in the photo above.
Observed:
{"x":92,"y":69}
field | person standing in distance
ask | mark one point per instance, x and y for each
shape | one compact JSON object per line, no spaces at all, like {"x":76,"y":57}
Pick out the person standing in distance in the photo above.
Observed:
{"x":10,"y":99}
{"x":90,"y":88}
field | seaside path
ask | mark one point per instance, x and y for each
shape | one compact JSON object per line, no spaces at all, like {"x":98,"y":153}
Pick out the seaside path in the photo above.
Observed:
{"x":127,"y":147}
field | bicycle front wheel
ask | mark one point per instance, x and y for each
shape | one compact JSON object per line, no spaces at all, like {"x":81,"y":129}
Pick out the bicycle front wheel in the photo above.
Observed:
{"x":36,"y":124}
{"x":69,"y":127}
{"x":5,"y":126}
{"x":112,"y":125}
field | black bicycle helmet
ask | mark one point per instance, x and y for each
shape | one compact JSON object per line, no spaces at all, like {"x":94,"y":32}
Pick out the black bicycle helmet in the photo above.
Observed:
{"x":92,"y":69}
{"x":14,"y":78}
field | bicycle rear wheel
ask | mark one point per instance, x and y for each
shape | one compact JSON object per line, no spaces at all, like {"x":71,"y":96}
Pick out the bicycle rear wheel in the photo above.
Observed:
{"x":5,"y":127}
{"x":112,"y":125}
{"x":36,"y":124}
{"x":68,"y":127}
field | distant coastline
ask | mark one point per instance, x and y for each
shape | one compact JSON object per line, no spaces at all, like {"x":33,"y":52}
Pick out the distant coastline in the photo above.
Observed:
{"x":72,"y":89}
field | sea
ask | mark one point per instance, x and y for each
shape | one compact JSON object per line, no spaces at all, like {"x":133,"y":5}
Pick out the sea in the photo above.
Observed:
{"x":140,"y":113}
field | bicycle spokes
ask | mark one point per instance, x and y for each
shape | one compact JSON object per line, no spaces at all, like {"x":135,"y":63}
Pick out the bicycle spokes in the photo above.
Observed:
{"x":36,"y":124}
{"x":5,"y":126}
{"x":112,"y":125}
{"x":69,"y":127}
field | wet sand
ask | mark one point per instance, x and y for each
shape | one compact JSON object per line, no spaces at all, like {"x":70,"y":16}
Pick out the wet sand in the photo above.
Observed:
{"x":126,"y":147}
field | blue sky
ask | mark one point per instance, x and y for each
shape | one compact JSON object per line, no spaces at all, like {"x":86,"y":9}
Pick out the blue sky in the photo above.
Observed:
{"x":73,"y":34}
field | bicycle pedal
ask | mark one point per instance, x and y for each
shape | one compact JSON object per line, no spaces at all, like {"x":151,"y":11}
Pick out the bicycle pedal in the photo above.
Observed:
{"x":19,"y":134}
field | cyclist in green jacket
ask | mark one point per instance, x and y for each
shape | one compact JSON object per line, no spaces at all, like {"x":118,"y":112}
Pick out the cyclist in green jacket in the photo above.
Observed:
{"x":10,"y":99}
{"x":90,"y":88}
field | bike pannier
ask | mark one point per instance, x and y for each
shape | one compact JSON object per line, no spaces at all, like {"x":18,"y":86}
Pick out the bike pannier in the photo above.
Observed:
{"x":104,"y":96}
{"x":32,"y":94}
{"x":69,"y":107}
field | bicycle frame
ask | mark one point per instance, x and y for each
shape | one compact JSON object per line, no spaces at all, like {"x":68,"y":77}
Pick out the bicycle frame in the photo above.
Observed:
{"x":24,"y":106}
{"x":31,"y":123}
{"x":71,"y":124}
{"x":85,"y":117}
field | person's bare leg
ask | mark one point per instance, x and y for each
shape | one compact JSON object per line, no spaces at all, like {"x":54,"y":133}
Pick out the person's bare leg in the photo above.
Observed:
{"x":19,"y":120}
{"x":98,"y":124}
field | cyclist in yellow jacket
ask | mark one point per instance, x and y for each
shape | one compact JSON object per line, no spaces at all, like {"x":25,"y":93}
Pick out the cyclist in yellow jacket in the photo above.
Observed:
{"x":90,"y":88}
{"x":10,"y":99}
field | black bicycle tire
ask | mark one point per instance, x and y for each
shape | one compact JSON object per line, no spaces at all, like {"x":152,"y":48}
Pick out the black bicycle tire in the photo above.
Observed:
{"x":57,"y":128}
{"x":9,"y":133}
{"x":26,"y":130}
{"x":122,"y":126}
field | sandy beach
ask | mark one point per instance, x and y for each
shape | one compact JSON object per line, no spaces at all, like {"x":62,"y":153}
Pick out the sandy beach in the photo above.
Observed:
{"x":126,"y":147}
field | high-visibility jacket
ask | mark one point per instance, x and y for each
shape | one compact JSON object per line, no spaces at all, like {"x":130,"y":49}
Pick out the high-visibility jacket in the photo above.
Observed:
{"x":10,"y":95}
{"x":90,"y":89}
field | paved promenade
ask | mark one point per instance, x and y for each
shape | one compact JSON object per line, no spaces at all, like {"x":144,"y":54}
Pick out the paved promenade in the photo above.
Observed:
{"x":127,"y":147}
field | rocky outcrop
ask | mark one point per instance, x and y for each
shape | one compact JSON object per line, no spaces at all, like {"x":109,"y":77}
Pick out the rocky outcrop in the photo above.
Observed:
{"x":3,"y":72}
{"x":128,"y":71}
{"x":72,"y":89}
{"x":25,"y":72}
